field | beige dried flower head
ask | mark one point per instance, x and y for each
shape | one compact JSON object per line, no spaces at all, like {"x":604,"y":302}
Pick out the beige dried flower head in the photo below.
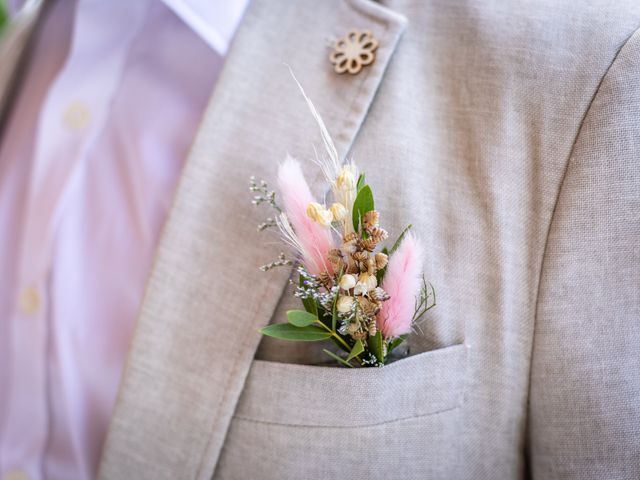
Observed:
{"x":353,"y":327}
{"x":335,"y":253}
{"x":376,"y":235}
{"x":369,"y":308}
{"x":336,"y":259}
{"x":338,"y":211}
{"x":346,"y":179}
{"x":359,"y":335}
{"x":368,"y":244}
{"x":372,"y":327}
{"x":350,"y":243}
{"x":381,"y":260}
{"x":365,"y":306}
{"x":360,"y":256}
{"x":371,"y":266}
{"x":379,"y":295}
{"x":325,"y":279}
{"x":345,"y":304}
{"x":345,"y":188}
{"x":379,"y":234}
{"x":370,"y":219}
{"x":349,"y":237}
{"x":365,"y":284}
{"x":348,"y":281}
{"x":319,"y":214}
{"x":353,"y":268}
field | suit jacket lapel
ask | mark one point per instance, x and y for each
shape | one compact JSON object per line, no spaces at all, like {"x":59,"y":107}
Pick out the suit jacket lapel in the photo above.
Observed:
{"x":205,"y":300}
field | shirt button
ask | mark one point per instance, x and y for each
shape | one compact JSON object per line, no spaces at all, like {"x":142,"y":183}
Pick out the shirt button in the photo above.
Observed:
{"x":15,"y":475}
{"x":77,"y":116}
{"x":29,"y":301}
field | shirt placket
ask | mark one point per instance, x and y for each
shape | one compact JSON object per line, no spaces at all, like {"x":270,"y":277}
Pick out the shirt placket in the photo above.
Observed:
{"x":72,"y":117}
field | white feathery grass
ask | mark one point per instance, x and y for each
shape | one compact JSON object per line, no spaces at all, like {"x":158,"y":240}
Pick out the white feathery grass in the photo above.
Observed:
{"x":288,"y":234}
{"x":330,"y":166}
{"x":290,"y":237}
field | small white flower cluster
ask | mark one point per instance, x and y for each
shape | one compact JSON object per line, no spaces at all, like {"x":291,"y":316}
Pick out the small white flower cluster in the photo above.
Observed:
{"x":310,"y":287}
{"x":361,"y":285}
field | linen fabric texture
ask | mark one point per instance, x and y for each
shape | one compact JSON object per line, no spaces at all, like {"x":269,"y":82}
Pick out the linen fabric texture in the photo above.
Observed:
{"x":508,"y":134}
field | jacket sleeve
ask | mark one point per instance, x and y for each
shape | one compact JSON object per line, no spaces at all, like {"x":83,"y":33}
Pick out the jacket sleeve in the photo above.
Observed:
{"x":584,"y":401}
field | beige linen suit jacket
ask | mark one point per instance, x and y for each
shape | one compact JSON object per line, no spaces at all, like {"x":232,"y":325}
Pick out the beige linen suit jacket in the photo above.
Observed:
{"x":508,"y":133}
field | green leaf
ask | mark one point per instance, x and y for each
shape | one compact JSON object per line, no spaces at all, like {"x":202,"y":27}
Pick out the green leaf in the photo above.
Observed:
{"x":336,"y":357}
{"x":362,"y":205}
{"x":341,"y":345}
{"x":286,"y":331}
{"x":324,"y":316}
{"x":375,"y":345}
{"x":334,"y":315}
{"x":396,"y":342}
{"x":400,"y":238}
{"x":300,"y":318}
{"x":357,"y":349}
{"x":360,"y":183}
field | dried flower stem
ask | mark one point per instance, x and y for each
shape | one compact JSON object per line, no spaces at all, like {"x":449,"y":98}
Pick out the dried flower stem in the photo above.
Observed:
{"x":282,"y":261}
{"x":268,"y":223}
{"x":264,"y":195}
{"x":422,"y":303}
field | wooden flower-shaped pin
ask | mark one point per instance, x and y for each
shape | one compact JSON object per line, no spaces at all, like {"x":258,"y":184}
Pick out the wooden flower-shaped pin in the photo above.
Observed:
{"x":353,"y":51}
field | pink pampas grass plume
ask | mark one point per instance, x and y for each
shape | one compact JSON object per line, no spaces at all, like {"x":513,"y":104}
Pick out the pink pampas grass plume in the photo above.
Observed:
{"x":312,"y":240}
{"x":402,"y":282}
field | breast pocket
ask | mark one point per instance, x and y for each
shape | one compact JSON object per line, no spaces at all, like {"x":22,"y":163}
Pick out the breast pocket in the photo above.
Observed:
{"x":309,"y":422}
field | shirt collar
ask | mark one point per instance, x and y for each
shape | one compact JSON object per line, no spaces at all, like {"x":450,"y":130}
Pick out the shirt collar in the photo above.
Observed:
{"x":215,"y":21}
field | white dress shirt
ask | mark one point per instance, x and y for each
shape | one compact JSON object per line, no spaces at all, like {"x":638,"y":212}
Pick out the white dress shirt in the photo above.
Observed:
{"x":89,"y":158}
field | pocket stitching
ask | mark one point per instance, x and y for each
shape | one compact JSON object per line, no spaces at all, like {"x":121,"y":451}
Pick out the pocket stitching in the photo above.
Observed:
{"x":448,"y":396}
{"x":343,"y":427}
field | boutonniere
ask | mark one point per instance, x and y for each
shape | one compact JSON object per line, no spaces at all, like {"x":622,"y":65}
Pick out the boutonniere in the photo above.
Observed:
{"x":358,"y":292}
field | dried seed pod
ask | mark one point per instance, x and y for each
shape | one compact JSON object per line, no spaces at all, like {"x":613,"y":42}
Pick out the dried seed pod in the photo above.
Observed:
{"x":381,"y":260}
{"x":353,"y":328}
{"x":379,"y":234}
{"x":350,"y":237}
{"x":365,"y":284}
{"x":325,"y":279}
{"x":379,"y":295}
{"x":371,"y":266}
{"x":334,"y":253}
{"x":377,"y":306}
{"x":345,"y":304}
{"x":350,"y":243}
{"x":370,"y":219}
{"x":372,"y":327}
{"x":335,"y":258}
{"x":360,"y":256}
{"x":337,"y":265}
{"x":350,"y":247}
{"x":348,"y":281}
{"x":353,"y":268}
{"x":359,"y":335}
{"x":367,"y":307}
{"x":370,"y":281}
{"x":368,"y":244}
